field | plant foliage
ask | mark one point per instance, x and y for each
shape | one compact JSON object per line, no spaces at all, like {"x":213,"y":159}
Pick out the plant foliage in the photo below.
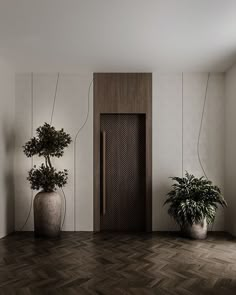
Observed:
{"x":47,"y":178}
{"x":193,"y":199}
{"x":47,"y":143}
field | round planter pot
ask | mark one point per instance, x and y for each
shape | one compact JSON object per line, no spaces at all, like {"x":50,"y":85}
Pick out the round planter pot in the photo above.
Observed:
{"x":197,"y":231}
{"x":47,"y":214}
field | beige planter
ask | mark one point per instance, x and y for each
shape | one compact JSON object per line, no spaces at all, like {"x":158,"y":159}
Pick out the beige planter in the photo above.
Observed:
{"x":197,"y":231}
{"x":47,"y":214}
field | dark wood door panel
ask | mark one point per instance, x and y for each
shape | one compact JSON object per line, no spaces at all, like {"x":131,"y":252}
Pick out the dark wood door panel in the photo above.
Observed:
{"x":125,"y":167}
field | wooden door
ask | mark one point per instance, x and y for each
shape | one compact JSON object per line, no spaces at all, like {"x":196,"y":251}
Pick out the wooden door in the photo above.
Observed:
{"x":123,"y":166}
{"x":123,"y":94}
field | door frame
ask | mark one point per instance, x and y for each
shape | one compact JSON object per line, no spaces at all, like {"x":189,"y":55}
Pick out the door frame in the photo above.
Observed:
{"x":122,"y":93}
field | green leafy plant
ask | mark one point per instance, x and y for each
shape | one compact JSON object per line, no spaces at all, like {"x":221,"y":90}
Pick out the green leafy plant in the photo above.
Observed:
{"x":47,"y":143}
{"x":193,"y":199}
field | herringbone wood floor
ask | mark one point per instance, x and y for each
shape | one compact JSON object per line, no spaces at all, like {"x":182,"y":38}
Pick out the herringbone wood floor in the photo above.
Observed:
{"x":87,"y":263}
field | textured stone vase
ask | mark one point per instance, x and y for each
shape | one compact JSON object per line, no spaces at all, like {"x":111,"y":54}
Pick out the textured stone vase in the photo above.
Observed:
{"x":197,"y":231}
{"x":47,"y":214}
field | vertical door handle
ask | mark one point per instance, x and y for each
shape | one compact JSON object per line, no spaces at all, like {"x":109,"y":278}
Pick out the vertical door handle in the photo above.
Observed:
{"x":104,"y":172}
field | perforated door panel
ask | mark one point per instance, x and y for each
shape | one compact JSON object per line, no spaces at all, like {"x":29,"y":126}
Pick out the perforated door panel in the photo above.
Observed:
{"x":124,"y":177}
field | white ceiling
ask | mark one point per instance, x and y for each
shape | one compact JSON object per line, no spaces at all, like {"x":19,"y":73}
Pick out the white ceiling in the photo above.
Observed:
{"x":118,"y":35}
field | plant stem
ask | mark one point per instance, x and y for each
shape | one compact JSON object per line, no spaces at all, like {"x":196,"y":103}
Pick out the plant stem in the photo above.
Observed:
{"x":49,"y":162}
{"x":46,"y":161}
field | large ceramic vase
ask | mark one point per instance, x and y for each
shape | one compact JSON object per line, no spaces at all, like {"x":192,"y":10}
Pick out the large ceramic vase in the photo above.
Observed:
{"x":47,"y":214}
{"x":196,"y":231}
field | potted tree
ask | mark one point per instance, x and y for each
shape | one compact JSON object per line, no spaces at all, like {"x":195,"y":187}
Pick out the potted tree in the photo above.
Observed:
{"x":47,"y":143}
{"x":193,"y":203}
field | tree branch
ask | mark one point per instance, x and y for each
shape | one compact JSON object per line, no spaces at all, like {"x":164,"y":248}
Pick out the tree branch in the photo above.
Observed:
{"x":46,"y":161}
{"x":49,"y":161}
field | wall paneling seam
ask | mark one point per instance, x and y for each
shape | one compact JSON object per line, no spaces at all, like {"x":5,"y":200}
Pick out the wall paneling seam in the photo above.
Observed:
{"x":182,"y":124}
{"x":32,"y":160}
{"x":75,"y":139}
